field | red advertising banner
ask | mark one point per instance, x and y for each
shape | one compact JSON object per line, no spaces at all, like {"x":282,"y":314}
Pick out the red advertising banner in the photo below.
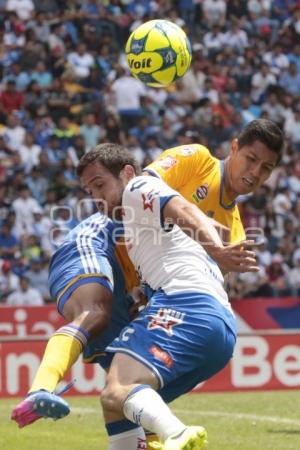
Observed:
{"x":29,"y":321}
{"x":252,"y":314}
{"x":19,"y":363}
{"x":260,"y":362}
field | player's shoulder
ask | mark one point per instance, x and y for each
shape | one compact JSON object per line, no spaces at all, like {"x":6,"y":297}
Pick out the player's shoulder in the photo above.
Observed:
{"x":142,"y":182}
{"x":190,"y":150}
{"x":89,"y":226}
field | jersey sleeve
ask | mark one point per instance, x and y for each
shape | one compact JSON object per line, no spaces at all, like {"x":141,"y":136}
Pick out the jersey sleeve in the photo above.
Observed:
{"x":178,"y":165}
{"x":144,"y":199}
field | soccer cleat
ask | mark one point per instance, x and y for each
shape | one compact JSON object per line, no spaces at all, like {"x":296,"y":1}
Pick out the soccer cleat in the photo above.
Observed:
{"x":37,"y":405}
{"x":192,"y":438}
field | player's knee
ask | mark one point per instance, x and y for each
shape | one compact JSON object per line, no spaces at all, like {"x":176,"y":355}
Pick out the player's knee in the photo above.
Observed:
{"x":111,"y":399}
{"x":94,"y":321}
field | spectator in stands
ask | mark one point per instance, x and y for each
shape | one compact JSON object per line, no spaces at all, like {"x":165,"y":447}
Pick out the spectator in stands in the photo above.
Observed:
{"x":8,"y":242}
{"x":41,"y":75}
{"x":14,"y":133}
{"x":260,"y":82}
{"x":24,"y":205}
{"x":214,"y":12}
{"x":29,"y":153}
{"x":127,"y":93}
{"x":278,"y":276}
{"x":11,"y":99}
{"x":290,"y":79}
{"x":38,"y":277}
{"x":9,"y":282}
{"x":81,"y":61}
{"x":90,"y":131}
{"x":25,"y":295}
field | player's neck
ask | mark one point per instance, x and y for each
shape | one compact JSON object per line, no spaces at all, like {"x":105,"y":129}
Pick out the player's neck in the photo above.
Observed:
{"x":230,"y":192}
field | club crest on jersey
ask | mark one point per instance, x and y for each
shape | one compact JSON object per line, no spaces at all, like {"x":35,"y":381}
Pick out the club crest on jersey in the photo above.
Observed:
{"x":201,"y":192}
{"x":165,"y":319}
{"x":187,"y":151}
{"x":148,"y":199}
{"x":167,"y":162}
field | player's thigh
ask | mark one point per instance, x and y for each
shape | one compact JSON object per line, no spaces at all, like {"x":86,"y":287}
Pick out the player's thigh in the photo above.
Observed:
{"x":125,"y":374}
{"x":88,"y":298}
{"x":126,"y":370}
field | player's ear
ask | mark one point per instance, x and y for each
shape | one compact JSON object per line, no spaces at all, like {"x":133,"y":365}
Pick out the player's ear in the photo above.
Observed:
{"x":128,"y":172}
{"x":234,"y":147}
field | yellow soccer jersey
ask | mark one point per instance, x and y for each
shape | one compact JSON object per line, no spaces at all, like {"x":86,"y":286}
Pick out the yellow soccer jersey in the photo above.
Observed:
{"x":199,"y":178}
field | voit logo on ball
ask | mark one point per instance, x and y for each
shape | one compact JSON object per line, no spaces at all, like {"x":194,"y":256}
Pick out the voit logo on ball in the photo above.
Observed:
{"x":142,"y":64}
{"x":201,"y":192}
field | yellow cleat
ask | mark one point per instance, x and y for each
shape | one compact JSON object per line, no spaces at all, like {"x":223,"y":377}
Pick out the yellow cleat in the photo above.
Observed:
{"x":192,"y":438}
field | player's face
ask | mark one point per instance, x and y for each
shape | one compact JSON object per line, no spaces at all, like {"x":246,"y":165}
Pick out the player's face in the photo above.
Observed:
{"x":104,"y":188}
{"x":248,"y":167}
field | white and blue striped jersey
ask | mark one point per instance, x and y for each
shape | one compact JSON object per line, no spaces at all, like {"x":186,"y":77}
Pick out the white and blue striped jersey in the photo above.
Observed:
{"x":165,"y":257}
{"x":86,"y":255}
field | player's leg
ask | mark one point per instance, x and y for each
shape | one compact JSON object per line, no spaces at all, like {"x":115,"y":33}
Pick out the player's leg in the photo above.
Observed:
{"x":132,"y":393}
{"x":88,"y":312}
{"x":171,"y":343}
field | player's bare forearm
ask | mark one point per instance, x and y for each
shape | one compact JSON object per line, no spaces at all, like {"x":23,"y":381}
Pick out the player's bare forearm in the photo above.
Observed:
{"x":231,"y":258}
{"x":193,"y":222}
{"x":223,"y":231}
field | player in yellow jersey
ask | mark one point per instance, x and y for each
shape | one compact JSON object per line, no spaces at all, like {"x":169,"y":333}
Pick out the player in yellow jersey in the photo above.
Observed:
{"x":214,"y":185}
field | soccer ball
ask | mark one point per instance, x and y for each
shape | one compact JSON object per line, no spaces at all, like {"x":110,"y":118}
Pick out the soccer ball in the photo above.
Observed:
{"x":158,"y":52}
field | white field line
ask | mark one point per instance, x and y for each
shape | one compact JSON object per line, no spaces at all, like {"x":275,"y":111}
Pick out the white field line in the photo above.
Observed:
{"x":239,"y":416}
{"x":242,"y":416}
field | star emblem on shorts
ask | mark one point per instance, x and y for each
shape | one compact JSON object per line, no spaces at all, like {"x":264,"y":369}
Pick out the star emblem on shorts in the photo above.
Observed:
{"x":165,"y":319}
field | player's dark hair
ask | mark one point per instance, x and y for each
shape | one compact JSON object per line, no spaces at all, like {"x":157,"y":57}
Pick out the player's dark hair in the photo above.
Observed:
{"x":112,"y":156}
{"x":264,"y":131}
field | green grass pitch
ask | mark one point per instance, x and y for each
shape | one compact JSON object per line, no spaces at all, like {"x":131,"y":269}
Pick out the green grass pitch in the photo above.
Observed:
{"x":234,"y":421}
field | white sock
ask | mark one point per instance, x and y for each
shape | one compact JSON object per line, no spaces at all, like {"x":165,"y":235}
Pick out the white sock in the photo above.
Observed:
{"x":129,"y":440}
{"x":145,"y":407}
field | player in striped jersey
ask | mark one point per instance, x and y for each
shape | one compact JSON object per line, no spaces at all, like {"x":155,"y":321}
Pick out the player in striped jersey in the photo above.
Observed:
{"x":89,"y":278}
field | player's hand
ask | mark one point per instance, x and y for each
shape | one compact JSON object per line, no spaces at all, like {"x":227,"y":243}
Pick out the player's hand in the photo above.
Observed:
{"x":37,"y":405}
{"x":140,"y":301}
{"x":236,"y":257}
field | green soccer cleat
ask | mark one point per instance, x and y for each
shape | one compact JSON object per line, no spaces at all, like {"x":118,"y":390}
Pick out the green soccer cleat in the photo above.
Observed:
{"x":192,"y":438}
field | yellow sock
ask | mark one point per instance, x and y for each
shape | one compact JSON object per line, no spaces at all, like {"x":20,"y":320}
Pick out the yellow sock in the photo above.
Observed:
{"x":62,"y":351}
{"x":151,"y":437}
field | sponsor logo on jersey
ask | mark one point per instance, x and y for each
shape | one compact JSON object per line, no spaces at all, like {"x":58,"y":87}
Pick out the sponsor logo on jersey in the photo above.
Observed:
{"x":187,"y":151}
{"x":167,"y":162}
{"x":165,"y":319}
{"x":162,"y":356}
{"x":148,"y":199}
{"x":201,"y":192}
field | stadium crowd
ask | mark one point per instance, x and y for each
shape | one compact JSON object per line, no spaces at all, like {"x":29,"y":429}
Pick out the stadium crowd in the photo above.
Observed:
{"x":65,"y":87}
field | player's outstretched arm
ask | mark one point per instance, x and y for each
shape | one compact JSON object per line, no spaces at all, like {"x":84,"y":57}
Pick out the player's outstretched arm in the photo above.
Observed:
{"x":232,"y":258}
{"x":88,"y":312}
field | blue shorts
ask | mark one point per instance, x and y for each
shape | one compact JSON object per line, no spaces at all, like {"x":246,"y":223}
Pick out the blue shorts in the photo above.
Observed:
{"x":184,"y":339}
{"x":69,"y":270}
